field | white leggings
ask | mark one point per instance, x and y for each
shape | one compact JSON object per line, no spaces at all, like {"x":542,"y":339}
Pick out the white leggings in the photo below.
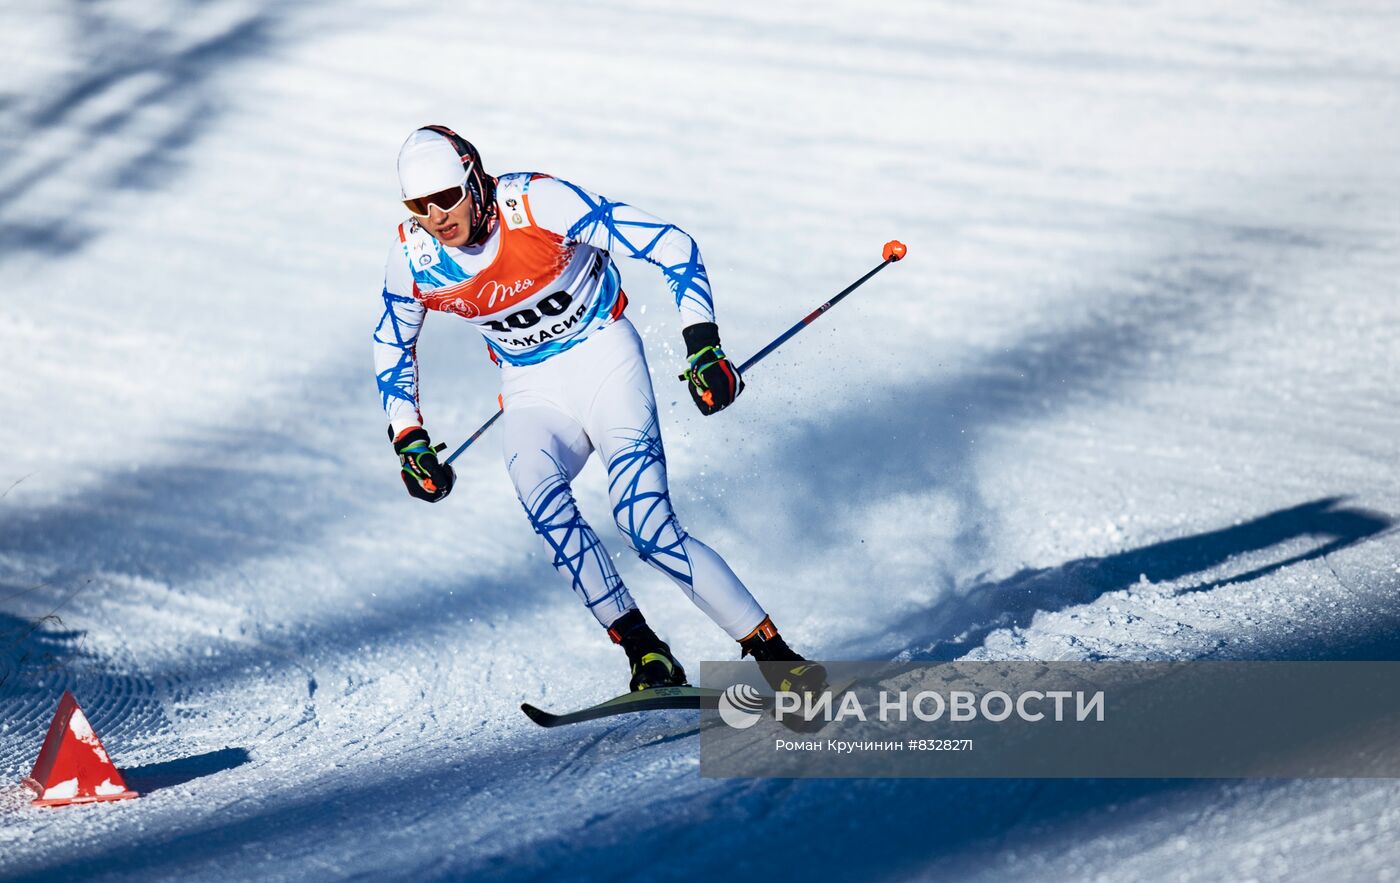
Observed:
{"x":598,"y":395}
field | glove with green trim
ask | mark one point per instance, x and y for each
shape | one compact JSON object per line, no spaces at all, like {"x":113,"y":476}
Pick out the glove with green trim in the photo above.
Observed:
{"x":422,"y":474}
{"x":713,"y":380}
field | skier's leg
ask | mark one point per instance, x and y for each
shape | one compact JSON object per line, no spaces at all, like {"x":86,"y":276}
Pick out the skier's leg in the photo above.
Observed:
{"x":544,"y":450}
{"x":622,"y":424}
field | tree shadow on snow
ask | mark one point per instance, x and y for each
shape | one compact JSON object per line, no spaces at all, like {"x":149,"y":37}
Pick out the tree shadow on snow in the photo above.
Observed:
{"x":963,"y":620}
{"x":37,"y":644}
{"x":150,"y":88}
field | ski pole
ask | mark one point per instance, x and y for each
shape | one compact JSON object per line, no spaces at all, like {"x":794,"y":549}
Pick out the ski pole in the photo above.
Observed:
{"x":894,"y":250}
{"x":474,"y":436}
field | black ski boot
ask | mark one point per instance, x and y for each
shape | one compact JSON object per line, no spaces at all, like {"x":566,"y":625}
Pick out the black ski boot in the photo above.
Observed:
{"x":651,"y":660}
{"x":766,"y":646}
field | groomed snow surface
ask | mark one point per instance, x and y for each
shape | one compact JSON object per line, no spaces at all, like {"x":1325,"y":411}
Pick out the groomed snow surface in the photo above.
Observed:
{"x":1134,"y":395}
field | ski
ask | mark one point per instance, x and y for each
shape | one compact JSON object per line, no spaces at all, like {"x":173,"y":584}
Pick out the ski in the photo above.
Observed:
{"x":654,"y":699}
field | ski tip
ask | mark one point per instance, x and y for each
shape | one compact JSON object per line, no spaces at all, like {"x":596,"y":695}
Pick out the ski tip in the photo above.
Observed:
{"x":895,"y":250}
{"x":538,"y":715}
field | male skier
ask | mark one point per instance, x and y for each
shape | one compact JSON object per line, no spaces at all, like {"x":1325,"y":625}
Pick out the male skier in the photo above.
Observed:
{"x":528,"y":259}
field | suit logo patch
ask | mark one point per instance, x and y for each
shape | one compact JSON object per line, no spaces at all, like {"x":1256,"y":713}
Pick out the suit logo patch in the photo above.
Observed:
{"x":515,"y":214}
{"x":422,"y":252}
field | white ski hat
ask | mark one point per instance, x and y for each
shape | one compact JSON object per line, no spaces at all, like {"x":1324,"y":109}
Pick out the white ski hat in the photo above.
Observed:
{"x":428,"y":163}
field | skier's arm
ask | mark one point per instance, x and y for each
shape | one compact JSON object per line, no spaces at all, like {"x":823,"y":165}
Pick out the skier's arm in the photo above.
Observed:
{"x":395,"y":341}
{"x":396,"y":369}
{"x":582,"y":216}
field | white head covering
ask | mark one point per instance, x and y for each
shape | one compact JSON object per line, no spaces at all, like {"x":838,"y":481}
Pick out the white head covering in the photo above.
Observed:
{"x":428,"y":163}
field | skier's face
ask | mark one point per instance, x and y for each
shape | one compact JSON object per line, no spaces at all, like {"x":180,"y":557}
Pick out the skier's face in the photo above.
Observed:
{"x":450,"y":228}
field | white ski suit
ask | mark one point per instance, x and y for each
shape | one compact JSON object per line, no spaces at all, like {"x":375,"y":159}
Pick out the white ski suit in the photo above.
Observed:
{"x":544,"y":292}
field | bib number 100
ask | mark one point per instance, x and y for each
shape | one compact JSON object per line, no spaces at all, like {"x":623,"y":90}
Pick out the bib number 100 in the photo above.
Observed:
{"x":550,"y":305}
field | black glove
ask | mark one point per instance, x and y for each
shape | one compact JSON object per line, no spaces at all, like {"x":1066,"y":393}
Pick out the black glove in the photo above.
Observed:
{"x":713,"y":380}
{"x":423,"y":475}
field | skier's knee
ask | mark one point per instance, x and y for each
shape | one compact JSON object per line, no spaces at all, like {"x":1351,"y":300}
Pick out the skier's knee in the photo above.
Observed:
{"x":650,"y":537}
{"x":630,"y":535}
{"x":549,"y":504}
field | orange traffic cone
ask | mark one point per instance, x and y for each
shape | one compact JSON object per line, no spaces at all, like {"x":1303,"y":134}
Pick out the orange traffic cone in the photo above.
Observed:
{"x":73,"y":767}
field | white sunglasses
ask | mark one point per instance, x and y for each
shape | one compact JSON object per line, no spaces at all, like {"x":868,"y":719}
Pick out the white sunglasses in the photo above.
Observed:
{"x":446,"y":200}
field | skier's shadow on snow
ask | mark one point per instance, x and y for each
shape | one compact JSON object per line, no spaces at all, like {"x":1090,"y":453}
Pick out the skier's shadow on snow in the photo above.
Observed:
{"x":963,"y":621}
